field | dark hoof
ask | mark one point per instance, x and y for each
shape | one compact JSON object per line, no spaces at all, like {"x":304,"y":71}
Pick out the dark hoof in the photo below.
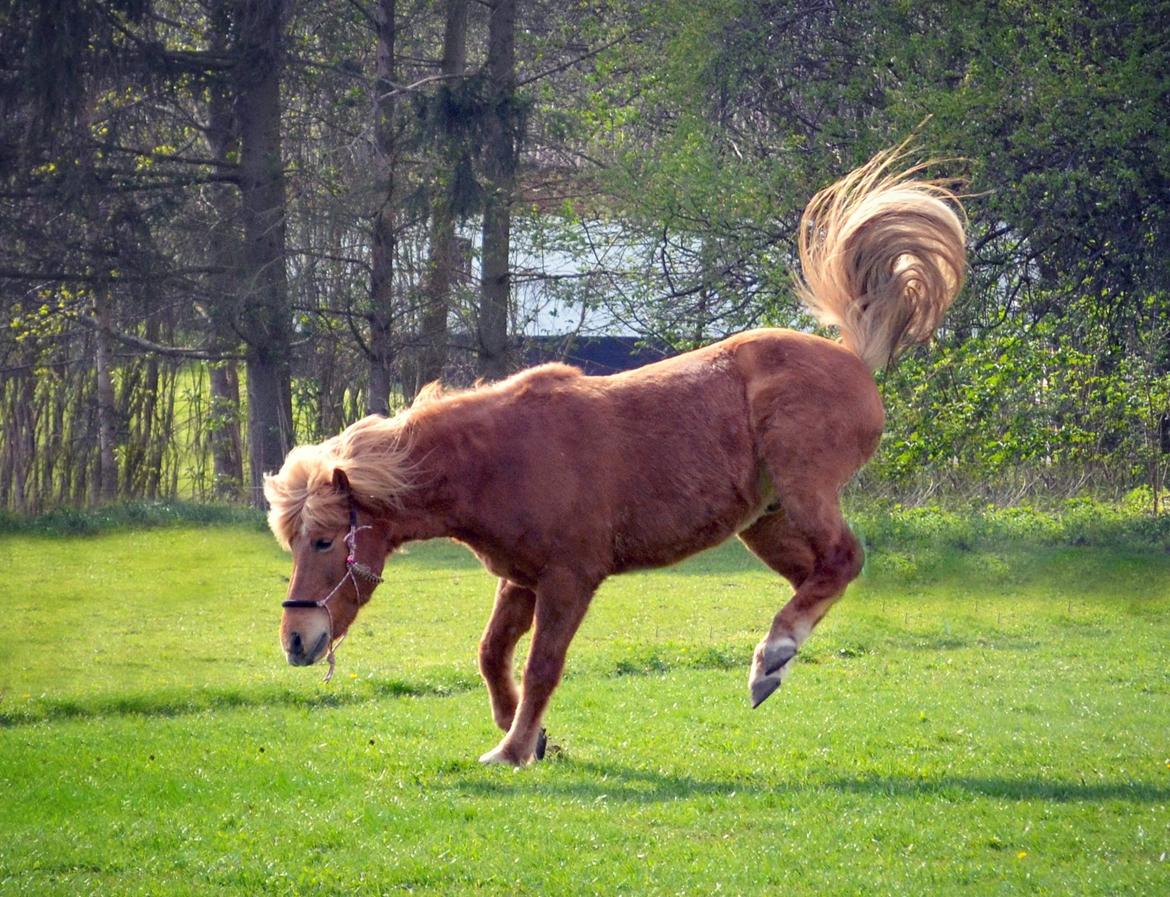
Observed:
{"x":769,"y":669}
{"x":762,"y":688}
{"x":541,"y":744}
{"x":775,"y":660}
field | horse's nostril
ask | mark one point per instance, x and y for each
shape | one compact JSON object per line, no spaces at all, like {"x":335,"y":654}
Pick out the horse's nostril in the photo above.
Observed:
{"x":296,"y":646}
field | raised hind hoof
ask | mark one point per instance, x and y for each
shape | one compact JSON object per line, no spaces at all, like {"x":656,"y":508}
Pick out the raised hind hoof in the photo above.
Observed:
{"x":770,"y":666}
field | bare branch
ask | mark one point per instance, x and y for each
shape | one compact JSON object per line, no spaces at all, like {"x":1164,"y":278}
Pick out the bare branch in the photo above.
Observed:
{"x":146,"y":345}
{"x":575,"y":61}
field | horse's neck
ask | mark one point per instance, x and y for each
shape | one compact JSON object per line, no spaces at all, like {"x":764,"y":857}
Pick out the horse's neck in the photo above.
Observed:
{"x":430,"y":508}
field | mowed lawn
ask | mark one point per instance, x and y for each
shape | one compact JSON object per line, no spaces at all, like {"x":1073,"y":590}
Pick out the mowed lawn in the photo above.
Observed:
{"x":992,"y":721}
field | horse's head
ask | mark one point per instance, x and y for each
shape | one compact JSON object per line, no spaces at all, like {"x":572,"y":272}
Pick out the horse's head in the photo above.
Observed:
{"x":338,"y":537}
{"x":337,"y":564}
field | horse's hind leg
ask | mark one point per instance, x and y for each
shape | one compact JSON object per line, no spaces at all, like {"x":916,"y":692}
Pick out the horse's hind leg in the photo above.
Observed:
{"x":808,"y":543}
{"x":786,"y":550}
{"x":812,"y":435}
{"x":511,"y":618}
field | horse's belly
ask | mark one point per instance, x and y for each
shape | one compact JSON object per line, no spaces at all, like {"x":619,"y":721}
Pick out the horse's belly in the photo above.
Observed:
{"x":690,"y":494}
{"x":659,"y":540}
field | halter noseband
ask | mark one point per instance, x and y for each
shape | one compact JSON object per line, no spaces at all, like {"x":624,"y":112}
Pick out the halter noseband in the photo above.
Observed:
{"x":354,"y":570}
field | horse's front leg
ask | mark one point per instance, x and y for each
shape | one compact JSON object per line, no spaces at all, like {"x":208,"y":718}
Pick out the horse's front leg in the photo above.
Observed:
{"x":561,"y":601}
{"x":511,"y":618}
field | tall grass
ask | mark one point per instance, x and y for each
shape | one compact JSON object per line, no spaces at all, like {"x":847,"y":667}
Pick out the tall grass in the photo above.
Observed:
{"x":1074,"y":522}
{"x":1079,"y":522}
{"x":129,"y":515}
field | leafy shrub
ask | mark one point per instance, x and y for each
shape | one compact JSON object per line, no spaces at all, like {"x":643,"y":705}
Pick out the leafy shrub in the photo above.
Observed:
{"x":129,"y":515}
{"x":1074,"y":522}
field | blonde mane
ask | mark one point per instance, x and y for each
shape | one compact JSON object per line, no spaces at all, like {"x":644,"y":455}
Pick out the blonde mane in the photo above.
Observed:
{"x":373,"y":453}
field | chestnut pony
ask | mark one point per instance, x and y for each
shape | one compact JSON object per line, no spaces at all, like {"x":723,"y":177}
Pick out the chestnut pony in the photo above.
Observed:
{"x":557,"y":480}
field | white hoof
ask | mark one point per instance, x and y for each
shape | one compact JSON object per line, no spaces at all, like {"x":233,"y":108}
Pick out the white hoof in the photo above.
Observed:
{"x":770,"y":666}
{"x":499,"y":756}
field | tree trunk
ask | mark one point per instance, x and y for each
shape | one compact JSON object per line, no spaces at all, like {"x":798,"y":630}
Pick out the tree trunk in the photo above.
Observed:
{"x":151,"y":444}
{"x":18,"y":483}
{"x":269,"y":418}
{"x":444,"y":261}
{"x":226,"y":443}
{"x":223,"y":256}
{"x":500,"y":169}
{"x":381,"y":316}
{"x":265,"y":315}
{"x":106,"y":404}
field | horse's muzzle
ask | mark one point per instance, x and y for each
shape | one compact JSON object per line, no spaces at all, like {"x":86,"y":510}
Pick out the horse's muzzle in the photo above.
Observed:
{"x":301,"y":654}
{"x":305,"y":632}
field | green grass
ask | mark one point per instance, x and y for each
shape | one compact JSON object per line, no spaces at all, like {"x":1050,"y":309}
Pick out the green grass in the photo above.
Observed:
{"x":986,"y":721}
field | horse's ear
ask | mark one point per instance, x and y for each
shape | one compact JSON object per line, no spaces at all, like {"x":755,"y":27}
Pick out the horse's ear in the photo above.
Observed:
{"x":340,"y":481}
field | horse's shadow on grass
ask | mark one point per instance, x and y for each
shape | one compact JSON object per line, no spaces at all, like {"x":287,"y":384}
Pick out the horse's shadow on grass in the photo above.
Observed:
{"x":1003,"y":788}
{"x":584,"y":780}
{"x":588,"y":781}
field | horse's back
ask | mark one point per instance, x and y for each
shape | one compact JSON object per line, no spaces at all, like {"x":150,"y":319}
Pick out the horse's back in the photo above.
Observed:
{"x":817,"y":391}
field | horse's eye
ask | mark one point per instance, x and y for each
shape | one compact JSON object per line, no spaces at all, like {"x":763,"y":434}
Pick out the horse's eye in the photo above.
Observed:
{"x":322,"y":544}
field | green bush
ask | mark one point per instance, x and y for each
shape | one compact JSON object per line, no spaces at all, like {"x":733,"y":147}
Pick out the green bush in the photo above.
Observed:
{"x":128,"y":515}
{"x":1077,"y":521}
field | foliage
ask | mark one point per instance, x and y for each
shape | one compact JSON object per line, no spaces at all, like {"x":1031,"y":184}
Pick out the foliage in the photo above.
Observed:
{"x":134,"y":515}
{"x":1027,"y":410}
{"x":666,"y":151}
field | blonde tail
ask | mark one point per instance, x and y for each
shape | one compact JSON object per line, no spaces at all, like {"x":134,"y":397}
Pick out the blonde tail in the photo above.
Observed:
{"x":883,"y":257}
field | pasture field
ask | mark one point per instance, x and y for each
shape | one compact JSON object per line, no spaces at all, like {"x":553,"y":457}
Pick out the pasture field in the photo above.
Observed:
{"x":984,"y":720}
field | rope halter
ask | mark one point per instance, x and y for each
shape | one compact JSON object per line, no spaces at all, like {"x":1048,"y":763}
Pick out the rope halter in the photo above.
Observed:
{"x":354,"y":570}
